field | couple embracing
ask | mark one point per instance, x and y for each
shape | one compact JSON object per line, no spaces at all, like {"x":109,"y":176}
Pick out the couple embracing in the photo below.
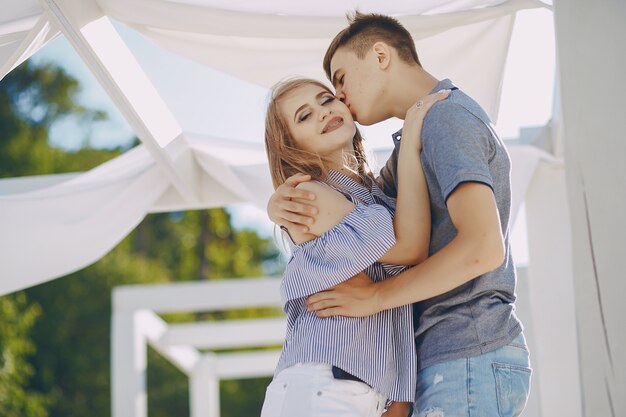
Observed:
{"x":400,"y":288}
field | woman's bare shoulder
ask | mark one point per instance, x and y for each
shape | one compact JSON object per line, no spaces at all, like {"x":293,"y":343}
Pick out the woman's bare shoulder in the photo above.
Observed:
{"x":331,"y":204}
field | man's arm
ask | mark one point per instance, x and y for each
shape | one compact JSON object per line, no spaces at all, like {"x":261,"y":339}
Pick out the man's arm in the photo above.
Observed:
{"x":331,"y":206}
{"x":288,"y":205}
{"x":477,"y":248}
{"x":411,"y":221}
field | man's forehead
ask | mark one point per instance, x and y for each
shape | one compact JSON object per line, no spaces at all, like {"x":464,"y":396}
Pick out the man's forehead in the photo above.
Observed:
{"x":339,"y":58}
{"x":341,"y":62}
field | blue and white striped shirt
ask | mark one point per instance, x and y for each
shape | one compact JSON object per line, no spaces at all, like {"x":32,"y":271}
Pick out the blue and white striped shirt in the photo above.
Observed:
{"x":378,"y":349}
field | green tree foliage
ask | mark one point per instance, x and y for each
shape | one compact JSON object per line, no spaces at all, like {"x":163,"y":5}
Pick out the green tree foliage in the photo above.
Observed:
{"x":32,"y":99}
{"x":73,"y":333}
{"x":17,"y":320}
{"x":69,"y":342}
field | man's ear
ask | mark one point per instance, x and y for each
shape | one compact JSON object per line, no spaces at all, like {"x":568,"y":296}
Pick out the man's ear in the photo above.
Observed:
{"x":382,"y":52}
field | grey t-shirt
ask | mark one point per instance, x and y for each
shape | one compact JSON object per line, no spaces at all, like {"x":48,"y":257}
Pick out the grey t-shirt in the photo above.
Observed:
{"x":459,"y":145}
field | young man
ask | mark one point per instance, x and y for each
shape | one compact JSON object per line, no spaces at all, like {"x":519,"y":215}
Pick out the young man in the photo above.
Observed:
{"x":472,"y":355}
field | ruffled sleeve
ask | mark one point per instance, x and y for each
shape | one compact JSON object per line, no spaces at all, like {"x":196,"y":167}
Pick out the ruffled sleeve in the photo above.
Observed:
{"x":359,"y":240}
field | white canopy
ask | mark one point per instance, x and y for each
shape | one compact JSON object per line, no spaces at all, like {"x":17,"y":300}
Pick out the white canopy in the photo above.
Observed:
{"x":465,"y":40}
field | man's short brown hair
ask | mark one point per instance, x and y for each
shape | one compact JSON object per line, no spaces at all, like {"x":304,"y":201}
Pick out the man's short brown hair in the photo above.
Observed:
{"x":364,"y":30}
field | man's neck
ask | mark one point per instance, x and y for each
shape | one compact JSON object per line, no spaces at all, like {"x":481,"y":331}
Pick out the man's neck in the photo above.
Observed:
{"x":411,"y":84}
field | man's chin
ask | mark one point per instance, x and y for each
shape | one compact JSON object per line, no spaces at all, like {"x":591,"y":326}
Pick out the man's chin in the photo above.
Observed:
{"x":364,"y":122}
{"x":370,"y":119}
{"x":364,"y":119}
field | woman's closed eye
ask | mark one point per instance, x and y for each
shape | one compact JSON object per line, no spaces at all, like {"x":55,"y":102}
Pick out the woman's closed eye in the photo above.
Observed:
{"x":325,"y":99}
{"x":303,"y":116}
{"x":328,"y":99}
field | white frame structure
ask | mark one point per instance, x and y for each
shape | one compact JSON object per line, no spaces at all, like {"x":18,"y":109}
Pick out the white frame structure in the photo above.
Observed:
{"x":135,"y":326}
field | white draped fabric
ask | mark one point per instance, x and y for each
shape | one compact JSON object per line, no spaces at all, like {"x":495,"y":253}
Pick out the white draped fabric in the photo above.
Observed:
{"x":23,"y":30}
{"x":55,"y":230}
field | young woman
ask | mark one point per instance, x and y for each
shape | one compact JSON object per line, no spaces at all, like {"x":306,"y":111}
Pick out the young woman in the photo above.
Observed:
{"x":344,"y":366}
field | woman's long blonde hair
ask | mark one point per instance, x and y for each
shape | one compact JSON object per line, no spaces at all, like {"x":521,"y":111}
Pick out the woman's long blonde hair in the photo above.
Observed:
{"x":286,"y":158}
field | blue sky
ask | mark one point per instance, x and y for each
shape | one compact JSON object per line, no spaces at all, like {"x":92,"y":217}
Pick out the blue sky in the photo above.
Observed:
{"x":213,"y":103}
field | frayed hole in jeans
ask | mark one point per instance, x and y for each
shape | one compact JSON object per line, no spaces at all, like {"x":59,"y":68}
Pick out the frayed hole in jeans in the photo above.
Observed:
{"x":433,"y":412}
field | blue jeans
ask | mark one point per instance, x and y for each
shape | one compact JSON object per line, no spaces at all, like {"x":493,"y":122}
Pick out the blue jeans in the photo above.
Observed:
{"x":496,"y":383}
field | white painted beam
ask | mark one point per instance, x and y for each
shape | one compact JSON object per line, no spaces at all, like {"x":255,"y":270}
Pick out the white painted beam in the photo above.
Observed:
{"x":246,"y":364}
{"x":199,"y":296}
{"x":128,"y":367}
{"x":204,"y":389}
{"x":226,"y":334}
{"x":153,"y":327}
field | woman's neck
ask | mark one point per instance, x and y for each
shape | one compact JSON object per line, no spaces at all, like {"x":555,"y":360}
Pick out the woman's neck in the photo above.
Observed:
{"x":347,"y":165}
{"x":350,"y":172}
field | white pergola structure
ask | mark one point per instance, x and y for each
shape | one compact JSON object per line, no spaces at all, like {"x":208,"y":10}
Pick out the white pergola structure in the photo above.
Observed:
{"x":570,"y":174}
{"x":136,"y":325}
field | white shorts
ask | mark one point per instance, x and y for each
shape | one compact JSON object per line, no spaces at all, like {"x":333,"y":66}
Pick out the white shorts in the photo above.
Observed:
{"x":310,"y":390}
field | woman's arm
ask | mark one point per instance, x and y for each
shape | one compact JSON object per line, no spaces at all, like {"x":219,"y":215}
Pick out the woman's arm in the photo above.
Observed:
{"x":412,"y":219}
{"x":397,"y":409}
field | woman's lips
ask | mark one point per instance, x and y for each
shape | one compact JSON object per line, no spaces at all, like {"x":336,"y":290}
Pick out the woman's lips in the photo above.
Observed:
{"x":333,"y":124}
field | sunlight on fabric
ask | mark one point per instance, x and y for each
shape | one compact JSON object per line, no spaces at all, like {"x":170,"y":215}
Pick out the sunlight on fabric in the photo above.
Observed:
{"x":19,"y":25}
{"x":339,"y":8}
{"x":20,"y":39}
{"x":124,"y":69}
